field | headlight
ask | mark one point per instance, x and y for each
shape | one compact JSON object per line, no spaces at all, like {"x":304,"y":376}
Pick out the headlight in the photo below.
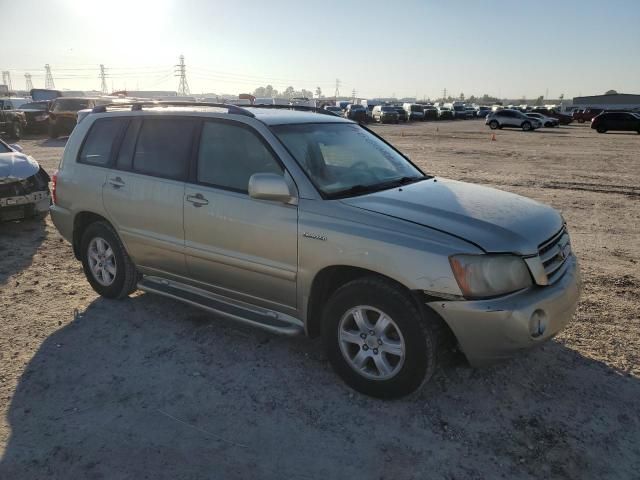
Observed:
{"x":481,"y":276}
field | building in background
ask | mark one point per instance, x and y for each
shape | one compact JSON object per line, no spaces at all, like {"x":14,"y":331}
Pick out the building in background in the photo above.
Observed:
{"x":615,"y":101}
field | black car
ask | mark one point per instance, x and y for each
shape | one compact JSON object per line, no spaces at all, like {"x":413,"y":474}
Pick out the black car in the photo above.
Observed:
{"x":483,"y":111}
{"x":430,"y":112}
{"x":357,"y":113}
{"x":623,"y":121}
{"x":402,"y":114}
{"x":37,"y":115}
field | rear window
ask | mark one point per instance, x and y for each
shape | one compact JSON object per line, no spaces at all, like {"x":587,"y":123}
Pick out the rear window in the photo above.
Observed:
{"x":70,"y":105}
{"x":388,"y":109}
{"x":417,"y":108}
{"x":163,"y":147}
{"x":101,"y":141}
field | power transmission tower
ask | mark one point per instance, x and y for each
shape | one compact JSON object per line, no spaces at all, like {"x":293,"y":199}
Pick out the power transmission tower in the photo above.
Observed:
{"x":181,"y":71}
{"x":353,"y":94}
{"x":28,"y":82}
{"x":444,"y":94}
{"x":337,"y":92}
{"x":6,"y":79}
{"x":48,"y":78}
{"x":103,"y":80}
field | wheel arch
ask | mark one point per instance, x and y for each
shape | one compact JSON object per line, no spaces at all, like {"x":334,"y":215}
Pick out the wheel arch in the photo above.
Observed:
{"x":80,"y":223}
{"x":331,"y":278}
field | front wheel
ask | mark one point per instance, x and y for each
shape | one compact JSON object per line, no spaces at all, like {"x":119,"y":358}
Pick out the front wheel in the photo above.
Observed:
{"x":377,"y":339}
{"x":16,"y":131}
{"x":601,"y":130}
{"x":526,"y":126}
{"x":493,"y":124}
{"x":581,"y":120}
{"x":106,"y":263}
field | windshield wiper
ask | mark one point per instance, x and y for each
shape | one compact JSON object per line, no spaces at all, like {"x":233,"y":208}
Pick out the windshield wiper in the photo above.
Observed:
{"x":360,"y":189}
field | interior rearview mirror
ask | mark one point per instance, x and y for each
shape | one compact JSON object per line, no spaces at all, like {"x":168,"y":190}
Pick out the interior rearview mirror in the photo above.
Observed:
{"x":269,"y":186}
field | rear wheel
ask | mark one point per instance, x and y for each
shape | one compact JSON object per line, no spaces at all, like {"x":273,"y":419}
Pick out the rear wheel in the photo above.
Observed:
{"x":493,"y":124}
{"x":53,"y":131}
{"x":106,"y":263}
{"x":581,"y":120}
{"x":526,"y":126}
{"x":601,"y":129}
{"x":377,"y":339}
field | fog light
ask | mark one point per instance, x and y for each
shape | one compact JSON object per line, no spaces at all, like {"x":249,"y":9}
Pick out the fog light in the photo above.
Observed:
{"x":537,"y":323}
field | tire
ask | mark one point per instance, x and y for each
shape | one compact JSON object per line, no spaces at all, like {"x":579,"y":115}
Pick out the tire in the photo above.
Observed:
{"x":526,"y":126}
{"x":581,"y":120}
{"x":125,"y":276}
{"x":16,"y":131}
{"x":493,"y":124}
{"x":601,"y":130}
{"x":53,"y":131}
{"x":409,"y":332}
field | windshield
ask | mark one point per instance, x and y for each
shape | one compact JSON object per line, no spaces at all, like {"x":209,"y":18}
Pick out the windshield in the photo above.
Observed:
{"x":4,"y":148}
{"x":345,"y":159}
{"x":417,"y":108}
{"x":457,"y":108}
{"x":35,"y":106}
{"x":388,"y":109}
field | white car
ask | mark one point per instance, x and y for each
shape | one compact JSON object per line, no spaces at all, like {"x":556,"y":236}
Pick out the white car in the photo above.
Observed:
{"x":544,"y":119}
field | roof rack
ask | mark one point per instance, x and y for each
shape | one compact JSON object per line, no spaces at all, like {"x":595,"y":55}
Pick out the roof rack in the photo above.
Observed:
{"x":304,"y":108}
{"x":136,"y":106}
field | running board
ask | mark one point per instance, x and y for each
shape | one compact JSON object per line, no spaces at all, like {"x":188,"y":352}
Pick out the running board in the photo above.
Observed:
{"x":275,"y":322}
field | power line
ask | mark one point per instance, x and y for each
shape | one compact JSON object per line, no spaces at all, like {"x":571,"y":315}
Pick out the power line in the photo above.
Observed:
{"x":183,"y":86}
{"x":48,"y":79}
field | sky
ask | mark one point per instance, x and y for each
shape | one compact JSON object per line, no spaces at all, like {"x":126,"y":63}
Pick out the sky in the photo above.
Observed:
{"x":408,"y":48}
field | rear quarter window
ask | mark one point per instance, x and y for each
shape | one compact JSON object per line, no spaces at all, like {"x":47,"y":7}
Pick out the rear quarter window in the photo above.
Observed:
{"x":102,"y":141}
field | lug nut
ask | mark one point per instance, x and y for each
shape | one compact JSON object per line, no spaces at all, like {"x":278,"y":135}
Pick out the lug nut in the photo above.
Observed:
{"x":379,"y":342}
{"x":363,"y":335}
{"x":365,"y":347}
{"x":371,"y":332}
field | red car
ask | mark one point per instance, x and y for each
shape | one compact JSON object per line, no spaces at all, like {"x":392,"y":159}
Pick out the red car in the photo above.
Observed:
{"x":587,"y":114}
{"x":562,"y":118}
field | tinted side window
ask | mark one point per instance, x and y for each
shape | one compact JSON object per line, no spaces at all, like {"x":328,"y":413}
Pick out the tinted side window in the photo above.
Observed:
{"x":229,"y":154}
{"x":125,"y":155}
{"x":102,"y":141}
{"x":163,"y":147}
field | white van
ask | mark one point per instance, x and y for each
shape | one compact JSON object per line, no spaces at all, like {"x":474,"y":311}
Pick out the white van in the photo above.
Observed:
{"x":414,"y":111}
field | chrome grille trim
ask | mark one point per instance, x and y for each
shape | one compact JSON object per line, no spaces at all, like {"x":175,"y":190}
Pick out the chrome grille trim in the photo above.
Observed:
{"x":554,"y":253}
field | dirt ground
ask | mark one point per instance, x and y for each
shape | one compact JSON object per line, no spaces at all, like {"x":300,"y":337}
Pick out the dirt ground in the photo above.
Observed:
{"x":149,"y":388}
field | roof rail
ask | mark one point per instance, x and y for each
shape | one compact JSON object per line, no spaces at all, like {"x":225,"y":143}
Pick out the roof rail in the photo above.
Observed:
{"x":304,"y":108}
{"x":136,"y":106}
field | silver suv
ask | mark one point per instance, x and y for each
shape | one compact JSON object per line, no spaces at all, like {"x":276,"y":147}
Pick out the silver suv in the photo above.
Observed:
{"x":299,"y":222}
{"x":512,"y":118}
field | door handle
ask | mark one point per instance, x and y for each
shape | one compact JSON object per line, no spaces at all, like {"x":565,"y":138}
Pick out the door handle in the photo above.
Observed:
{"x":197,"y":200}
{"x":116,"y":182}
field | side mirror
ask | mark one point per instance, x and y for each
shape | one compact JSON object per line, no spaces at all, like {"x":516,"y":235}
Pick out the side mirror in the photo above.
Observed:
{"x":269,"y":186}
{"x":16,"y":147}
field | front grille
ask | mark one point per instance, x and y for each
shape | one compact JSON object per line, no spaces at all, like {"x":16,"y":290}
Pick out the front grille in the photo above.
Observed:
{"x":554,"y":254}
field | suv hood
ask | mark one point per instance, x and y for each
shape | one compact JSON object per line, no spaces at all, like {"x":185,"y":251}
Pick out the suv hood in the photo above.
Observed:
{"x":16,"y":166}
{"x":494,"y":220}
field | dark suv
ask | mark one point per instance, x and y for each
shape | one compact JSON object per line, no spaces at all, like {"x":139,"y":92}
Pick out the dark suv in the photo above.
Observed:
{"x":549,"y":112}
{"x":63,"y":113}
{"x":357,"y":113}
{"x":624,"y":121}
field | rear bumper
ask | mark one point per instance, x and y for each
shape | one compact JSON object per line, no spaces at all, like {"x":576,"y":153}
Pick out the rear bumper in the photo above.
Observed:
{"x":492,"y":330}
{"x":63,"y":220}
{"x":22,"y":206}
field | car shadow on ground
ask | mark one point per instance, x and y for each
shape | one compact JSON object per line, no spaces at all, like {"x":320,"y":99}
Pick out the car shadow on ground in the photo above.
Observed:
{"x":19,"y":241}
{"x":53,"y":142}
{"x":150,"y":388}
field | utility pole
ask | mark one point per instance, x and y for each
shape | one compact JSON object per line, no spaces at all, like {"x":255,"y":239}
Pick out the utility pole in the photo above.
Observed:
{"x":181,"y":72}
{"x":48,"y":78}
{"x":6,"y":79}
{"x":103,"y":81}
{"x":337,"y":92}
{"x":28,"y":82}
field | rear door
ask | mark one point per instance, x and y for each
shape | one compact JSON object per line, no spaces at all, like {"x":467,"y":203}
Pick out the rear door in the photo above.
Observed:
{"x":239,"y":246}
{"x":144,"y":192}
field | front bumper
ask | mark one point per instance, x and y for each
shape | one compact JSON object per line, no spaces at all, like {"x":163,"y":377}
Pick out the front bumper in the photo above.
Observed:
{"x":495,"y":329}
